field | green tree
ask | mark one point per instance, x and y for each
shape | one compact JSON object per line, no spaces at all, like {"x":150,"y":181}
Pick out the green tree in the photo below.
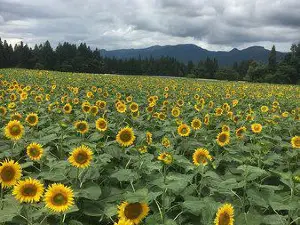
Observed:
{"x":272,"y":60}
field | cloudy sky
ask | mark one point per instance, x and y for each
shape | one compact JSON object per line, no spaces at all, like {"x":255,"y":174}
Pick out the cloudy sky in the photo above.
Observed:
{"x":114,"y":24}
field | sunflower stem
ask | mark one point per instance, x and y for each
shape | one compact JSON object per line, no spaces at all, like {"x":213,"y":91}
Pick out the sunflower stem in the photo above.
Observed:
{"x":164,"y":195}
{"x":77,"y":177}
{"x":1,"y":190}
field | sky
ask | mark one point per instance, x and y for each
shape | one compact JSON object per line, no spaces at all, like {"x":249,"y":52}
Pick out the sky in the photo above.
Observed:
{"x":218,"y":25}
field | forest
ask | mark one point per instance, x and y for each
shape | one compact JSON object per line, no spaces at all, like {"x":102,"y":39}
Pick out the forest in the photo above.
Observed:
{"x":67,"y":57}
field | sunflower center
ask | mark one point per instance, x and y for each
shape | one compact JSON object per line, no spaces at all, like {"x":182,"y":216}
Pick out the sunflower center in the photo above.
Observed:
{"x":31,"y":119}
{"x":184,"y":130}
{"x":297,"y":142}
{"x":133,"y":210}
{"x":81,"y":158}
{"x":29,"y":190}
{"x":125,"y":136}
{"x":196,"y":124}
{"x":81,"y":126}
{"x":222,"y":138}
{"x":15,"y":130}
{"x":224,"y":219}
{"x":59,"y":199}
{"x":201,"y":158}
{"x":86,"y":108}
{"x":102,"y":124}
{"x":7,"y":174}
{"x":34,"y":152}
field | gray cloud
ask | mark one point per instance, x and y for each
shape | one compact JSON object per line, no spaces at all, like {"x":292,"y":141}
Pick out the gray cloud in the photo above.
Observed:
{"x":112,"y":24}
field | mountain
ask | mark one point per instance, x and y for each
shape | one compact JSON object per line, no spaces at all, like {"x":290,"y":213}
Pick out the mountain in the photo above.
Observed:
{"x":187,"y":52}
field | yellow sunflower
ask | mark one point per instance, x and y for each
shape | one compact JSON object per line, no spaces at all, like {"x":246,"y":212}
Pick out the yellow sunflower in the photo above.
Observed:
{"x":223,"y":139}
{"x":218,"y":111}
{"x":295,"y":141}
{"x":184,"y":130}
{"x":134,"y":107}
{"x":124,"y":222}
{"x":196,"y":124}
{"x":256,"y":128}
{"x":32,"y":119}
{"x":264,"y":109}
{"x":133,"y":212}
{"x":10,"y":173}
{"x":121,"y":108}
{"x":94,"y":110}
{"x":67,"y":108}
{"x":59,"y":197}
{"x":225,"y":215}
{"x":201,"y":156}
{"x":101,"y":124}
{"x":149,"y":138}
{"x":16,"y":116}
{"x":34,"y":151}
{"x":225,"y":128}
{"x":166,"y":158}
{"x":166,"y":142}
{"x":82,"y":126}
{"x":29,"y":190}
{"x":81,"y":157}
{"x":3,"y":111}
{"x":240,"y":132}
{"x":206,"y":119}
{"x":175,"y":112}
{"x":125,"y":137}
{"x":14,"y":130}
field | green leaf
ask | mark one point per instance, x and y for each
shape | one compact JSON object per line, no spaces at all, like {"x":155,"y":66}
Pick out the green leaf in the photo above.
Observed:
{"x":91,"y":191}
{"x":11,"y":208}
{"x":125,"y":175}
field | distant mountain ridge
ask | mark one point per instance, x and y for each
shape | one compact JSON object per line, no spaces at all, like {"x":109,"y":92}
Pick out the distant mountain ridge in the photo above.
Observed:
{"x":187,"y":52}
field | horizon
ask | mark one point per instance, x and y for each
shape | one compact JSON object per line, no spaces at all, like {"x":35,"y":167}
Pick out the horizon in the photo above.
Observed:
{"x":219,"y":25}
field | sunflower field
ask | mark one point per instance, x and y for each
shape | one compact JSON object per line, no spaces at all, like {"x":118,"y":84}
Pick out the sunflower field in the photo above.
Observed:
{"x":88,"y":149}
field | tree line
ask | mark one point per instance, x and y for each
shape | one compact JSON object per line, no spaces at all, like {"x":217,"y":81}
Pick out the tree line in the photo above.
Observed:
{"x":68,"y":57}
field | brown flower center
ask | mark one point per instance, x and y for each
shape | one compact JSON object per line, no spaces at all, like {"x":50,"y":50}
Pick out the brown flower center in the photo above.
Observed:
{"x":59,"y":199}
{"x":133,"y":210}
{"x":34,"y":152}
{"x":81,"y":158}
{"x":222,"y":137}
{"x":15,"y":130}
{"x":29,"y":190}
{"x":224,"y":219}
{"x":7,"y":174}
{"x":125,"y":136}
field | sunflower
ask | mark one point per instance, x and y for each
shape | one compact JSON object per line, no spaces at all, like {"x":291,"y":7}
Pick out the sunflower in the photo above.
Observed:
{"x":94,"y":110}
{"x":143,"y":149}
{"x":82,"y":126}
{"x":201,"y":156}
{"x":81,"y":157}
{"x":59,"y":197}
{"x":166,"y":142}
{"x":149,"y":138}
{"x":14,"y":130}
{"x":175,"y":112}
{"x":223,"y":139}
{"x":196,"y":124}
{"x":10,"y":173}
{"x":29,"y":190}
{"x":166,"y":158}
{"x":225,"y":215}
{"x":121,"y":108}
{"x":67,"y":108}
{"x":101,"y":124}
{"x":86,"y":108}
{"x":225,"y":128}
{"x":124,"y":222}
{"x":134,"y":107}
{"x":3,"y":111}
{"x":125,"y":137}
{"x":264,"y":109}
{"x":133,"y":212}
{"x":32,"y":119}
{"x":295,"y":141}
{"x":16,"y":116}
{"x":206,"y":119}
{"x":256,"y":128}
{"x":34,"y":151}
{"x":240,"y":132}
{"x":101,"y":104}
{"x":184,"y":130}
{"x":218,"y":111}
